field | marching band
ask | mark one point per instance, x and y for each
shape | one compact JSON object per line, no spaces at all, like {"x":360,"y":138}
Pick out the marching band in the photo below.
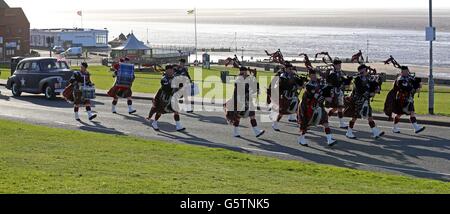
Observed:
{"x":322,"y":89}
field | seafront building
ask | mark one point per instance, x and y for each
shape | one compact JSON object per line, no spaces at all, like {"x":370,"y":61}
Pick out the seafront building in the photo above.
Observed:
{"x":69,"y":37}
{"x":14,"y":32}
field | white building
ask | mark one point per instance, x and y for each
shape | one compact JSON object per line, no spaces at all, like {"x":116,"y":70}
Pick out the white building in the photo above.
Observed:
{"x":69,"y":37}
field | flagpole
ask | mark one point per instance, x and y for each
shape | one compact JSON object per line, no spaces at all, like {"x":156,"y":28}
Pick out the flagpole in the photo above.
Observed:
{"x":81,"y":19}
{"x":195,"y":23}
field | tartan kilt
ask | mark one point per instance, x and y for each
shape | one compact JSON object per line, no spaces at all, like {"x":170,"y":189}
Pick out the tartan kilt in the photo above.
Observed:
{"x":305,"y":114}
{"x":118,"y":91}
{"x":234,"y":116}
{"x":74,"y":96}
{"x":162,"y":103}
{"x":353,"y":106}
{"x":399,"y":105}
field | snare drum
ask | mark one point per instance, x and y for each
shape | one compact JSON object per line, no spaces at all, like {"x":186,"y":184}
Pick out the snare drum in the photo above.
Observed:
{"x":87,"y":92}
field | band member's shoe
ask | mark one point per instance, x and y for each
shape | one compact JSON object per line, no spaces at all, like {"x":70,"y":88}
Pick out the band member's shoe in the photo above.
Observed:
{"x":154,"y":125}
{"x":342,"y":124}
{"x":258,"y":132}
{"x":91,"y":116}
{"x":77,"y":116}
{"x":350,"y":134}
{"x":396,"y":129}
{"x":302,"y":140}
{"x":131,"y":110}
{"x":179,"y":127}
{"x":330,"y":141}
{"x":113,"y":109}
{"x":292,"y":118}
{"x":236,"y":132}
{"x":377,"y":133}
{"x":275,"y":127}
{"x":417,"y":128}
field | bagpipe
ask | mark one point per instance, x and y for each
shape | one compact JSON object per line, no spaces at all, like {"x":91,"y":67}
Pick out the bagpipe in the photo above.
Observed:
{"x":299,"y":79}
{"x":358,"y":57}
{"x":326,"y":56}
{"x":392,"y":104}
{"x":234,"y":61}
{"x":276,"y":57}
{"x":306,"y":60}
{"x":326,"y":69}
{"x":417,"y":82}
{"x":237,"y":64}
{"x":375,"y":79}
{"x":288,"y":100}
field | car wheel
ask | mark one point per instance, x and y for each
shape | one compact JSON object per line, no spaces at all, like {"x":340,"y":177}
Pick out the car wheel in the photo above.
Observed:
{"x":15,"y":90}
{"x":49,"y":92}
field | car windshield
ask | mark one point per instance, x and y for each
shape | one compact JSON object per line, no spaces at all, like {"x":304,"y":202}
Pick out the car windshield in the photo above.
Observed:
{"x":47,"y":65}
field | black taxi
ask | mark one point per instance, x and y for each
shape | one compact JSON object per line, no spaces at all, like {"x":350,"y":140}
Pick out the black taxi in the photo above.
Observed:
{"x":39,"y":75}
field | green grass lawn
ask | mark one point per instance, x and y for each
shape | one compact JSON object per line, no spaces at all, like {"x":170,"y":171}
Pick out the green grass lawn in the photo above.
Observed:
{"x":150,"y":83}
{"x":37,"y":159}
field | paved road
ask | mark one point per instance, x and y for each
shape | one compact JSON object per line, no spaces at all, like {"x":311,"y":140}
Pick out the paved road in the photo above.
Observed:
{"x":426,"y":155}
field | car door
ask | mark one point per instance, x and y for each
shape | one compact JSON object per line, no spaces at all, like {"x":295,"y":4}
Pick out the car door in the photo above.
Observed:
{"x":36,"y":75}
{"x":25,"y":78}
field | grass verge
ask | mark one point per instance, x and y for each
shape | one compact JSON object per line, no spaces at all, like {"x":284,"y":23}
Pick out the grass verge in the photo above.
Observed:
{"x":37,"y":159}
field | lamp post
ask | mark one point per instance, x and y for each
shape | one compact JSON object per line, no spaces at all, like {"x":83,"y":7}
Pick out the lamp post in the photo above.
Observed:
{"x":431,"y":37}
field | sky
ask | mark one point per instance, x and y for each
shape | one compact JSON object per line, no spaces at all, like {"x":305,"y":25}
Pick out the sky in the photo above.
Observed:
{"x":48,"y":5}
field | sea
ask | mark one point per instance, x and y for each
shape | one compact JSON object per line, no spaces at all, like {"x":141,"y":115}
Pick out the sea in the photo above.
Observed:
{"x":248,"y":32}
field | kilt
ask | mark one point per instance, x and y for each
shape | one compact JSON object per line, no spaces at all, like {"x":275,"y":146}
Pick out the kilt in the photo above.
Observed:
{"x":233,"y":116}
{"x":403,"y":104}
{"x":162,"y":103}
{"x":354,"y":105}
{"x":74,"y":96}
{"x":306,"y":112}
{"x":337,"y":100}
{"x":120,"y":91}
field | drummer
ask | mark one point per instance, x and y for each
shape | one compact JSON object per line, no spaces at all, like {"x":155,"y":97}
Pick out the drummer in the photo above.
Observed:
{"x":77,"y":81}
{"x":119,"y":91}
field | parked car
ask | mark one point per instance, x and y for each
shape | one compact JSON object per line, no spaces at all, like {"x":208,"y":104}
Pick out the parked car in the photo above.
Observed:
{"x":58,"y":49}
{"x":39,"y":75}
{"x":74,"y":51}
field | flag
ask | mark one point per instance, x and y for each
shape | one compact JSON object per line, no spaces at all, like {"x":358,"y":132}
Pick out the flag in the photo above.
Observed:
{"x":190,"y":12}
{"x":80,"y":13}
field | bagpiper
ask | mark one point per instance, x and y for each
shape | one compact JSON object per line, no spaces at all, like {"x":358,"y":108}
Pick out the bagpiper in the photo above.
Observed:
{"x":400,"y":100}
{"x":80,"y":92}
{"x":358,"y":104}
{"x":338,"y":80}
{"x":284,"y":77}
{"x":289,"y":85}
{"x":312,"y":111}
{"x":122,"y":85}
{"x":164,"y":100}
{"x":242,"y":104}
{"x":182,"y":71}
